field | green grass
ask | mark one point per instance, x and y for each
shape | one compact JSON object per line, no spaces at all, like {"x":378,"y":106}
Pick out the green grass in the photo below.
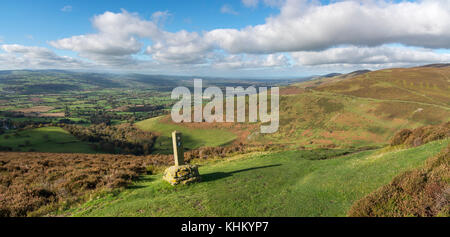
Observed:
{"x":45,"y":139}
{"x":290,"y":183}
{"x":193,"y":138}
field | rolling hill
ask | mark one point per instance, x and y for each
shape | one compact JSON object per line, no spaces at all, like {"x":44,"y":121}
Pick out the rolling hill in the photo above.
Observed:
{"x":362,"y":108}
{"x":428,"y":85}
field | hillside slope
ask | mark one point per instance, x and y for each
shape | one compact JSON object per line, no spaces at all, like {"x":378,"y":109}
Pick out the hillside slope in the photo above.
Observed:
{"x":290,"y":183}
{"x":359,"y":109}
{"x":428,"y":85}
{"x":363,"y":108}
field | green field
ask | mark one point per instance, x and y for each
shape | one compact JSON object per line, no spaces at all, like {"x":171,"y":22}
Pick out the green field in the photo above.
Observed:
{"x":290,"y":183}
{"x":193,"y":138}
{"x":45,"y":139}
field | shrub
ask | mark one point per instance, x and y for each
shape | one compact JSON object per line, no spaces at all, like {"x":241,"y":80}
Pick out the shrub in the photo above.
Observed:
{"x":400,"y":137}
{"x":421,"y":135}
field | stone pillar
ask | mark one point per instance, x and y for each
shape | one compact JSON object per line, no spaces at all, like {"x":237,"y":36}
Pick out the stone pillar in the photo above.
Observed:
{"x":180,"y":173}
{"x":178,"y":153}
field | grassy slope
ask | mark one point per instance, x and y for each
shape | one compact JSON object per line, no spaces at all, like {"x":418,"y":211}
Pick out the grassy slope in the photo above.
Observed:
{"x":419,"y":192}
{"x":356,"y":110}
{"x":365,"y":109}
{"x":193,"y":138}
{"x":316,"y":118}
{"x":280,"y":184}
{"x":59,"y":141}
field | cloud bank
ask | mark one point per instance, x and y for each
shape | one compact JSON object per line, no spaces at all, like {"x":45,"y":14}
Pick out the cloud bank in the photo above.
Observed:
{"x":17,"y":56}
{"x":303,"y":34}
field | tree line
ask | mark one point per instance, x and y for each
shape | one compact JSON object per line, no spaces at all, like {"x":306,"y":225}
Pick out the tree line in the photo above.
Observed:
{"x":124,"y":138}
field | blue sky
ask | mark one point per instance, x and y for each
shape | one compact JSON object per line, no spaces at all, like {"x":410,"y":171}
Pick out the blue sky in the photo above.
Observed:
{"x":45,"y":20}
{"x":254,"y":38}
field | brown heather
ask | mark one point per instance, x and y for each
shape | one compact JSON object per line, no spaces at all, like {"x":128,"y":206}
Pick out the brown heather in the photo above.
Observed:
{"x":34,"y":184}
{"x":421,"y":135}
{"x":29,"y":181}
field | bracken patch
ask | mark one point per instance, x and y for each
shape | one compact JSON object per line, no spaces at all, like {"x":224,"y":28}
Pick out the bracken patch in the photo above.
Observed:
{"x":421,"y":135}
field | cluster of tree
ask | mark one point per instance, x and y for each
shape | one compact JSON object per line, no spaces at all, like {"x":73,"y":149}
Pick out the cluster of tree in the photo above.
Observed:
{"x":13,"y":114}
{"x":145,"y":108}
{"x":123,"y":138}
{"x":100,"y":118}
{"x":106,"y":117}
{"x":69,"y":121}
{"x":5,"y":124}
{"x":5,"y":148}
{"x":9,"y":124}
{"x":42,"y":88}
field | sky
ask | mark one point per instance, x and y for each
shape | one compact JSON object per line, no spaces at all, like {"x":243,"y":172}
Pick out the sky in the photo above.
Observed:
{"x":235,"y":38}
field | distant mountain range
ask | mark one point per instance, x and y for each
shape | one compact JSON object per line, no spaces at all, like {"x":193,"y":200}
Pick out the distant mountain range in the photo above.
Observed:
{"x":54,"y":81}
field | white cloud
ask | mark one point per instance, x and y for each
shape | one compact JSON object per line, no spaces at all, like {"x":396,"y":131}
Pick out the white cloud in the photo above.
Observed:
{"x":342,"y":33}
{"x":227,"y":9}
{"x":67,"y":8}
{"x":19,"y":56}
{"x":367,"y":56}
{"x":180,"y":48}
{"x":250,"y":3}
{"x":119,"y":35}
{"x":160,"y":17}
{"x":117,"y":39}
{"x":251,"y":61}
{"x":302,"y":26}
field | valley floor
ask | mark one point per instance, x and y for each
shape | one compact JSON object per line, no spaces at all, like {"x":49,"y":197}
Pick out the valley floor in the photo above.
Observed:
{"x":289,"y":183}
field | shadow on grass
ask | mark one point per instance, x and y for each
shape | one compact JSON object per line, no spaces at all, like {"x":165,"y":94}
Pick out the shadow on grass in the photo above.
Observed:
{"x":141,"y":179}
{"x":220,"y":175}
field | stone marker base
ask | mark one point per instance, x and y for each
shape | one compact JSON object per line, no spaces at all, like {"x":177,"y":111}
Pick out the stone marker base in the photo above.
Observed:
{"x":182,"y":174}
